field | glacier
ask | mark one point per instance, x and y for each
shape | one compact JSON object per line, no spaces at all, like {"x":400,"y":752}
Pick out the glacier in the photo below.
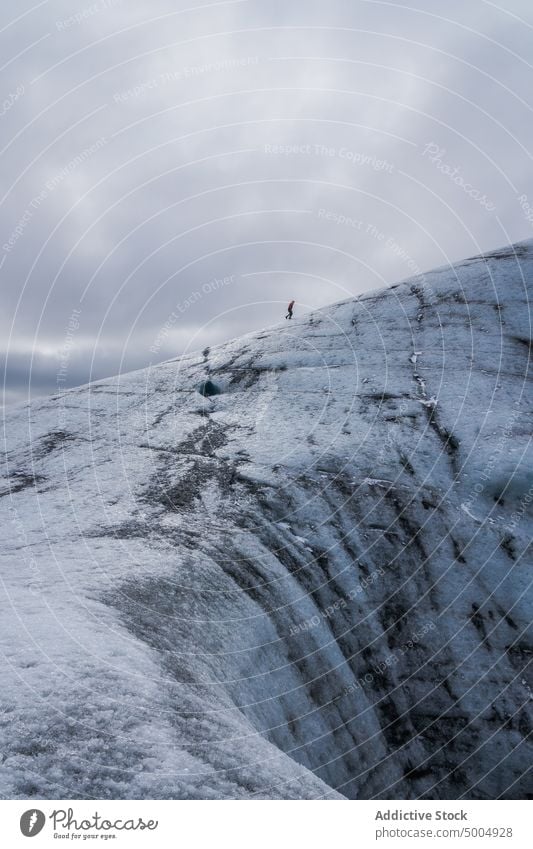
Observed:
{"x":313,"y":585}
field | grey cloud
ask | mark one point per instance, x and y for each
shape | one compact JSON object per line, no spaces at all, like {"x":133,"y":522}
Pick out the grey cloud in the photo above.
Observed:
{"x":175,"y":179}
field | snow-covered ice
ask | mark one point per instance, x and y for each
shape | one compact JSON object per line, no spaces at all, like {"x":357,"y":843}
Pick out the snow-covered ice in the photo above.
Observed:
{"x":280,"y":592}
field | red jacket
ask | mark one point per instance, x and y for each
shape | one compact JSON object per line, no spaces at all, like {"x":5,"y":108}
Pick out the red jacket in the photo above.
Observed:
{"x":291,"y":305}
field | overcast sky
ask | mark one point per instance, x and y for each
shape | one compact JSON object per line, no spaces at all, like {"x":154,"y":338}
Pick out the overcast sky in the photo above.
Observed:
{"x":174,"y":172}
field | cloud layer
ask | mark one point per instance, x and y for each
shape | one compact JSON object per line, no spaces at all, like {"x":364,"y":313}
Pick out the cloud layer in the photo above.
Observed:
{"x":172,"y":176}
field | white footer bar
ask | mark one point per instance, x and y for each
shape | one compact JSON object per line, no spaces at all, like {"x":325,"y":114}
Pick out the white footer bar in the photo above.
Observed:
{"x":268,"y":825}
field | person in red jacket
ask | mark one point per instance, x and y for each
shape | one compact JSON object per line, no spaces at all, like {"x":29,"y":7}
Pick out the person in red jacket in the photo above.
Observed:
{"x":289,"y":310}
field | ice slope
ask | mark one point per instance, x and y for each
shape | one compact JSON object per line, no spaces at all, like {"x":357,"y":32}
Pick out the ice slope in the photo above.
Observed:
{"x":314,"y":585}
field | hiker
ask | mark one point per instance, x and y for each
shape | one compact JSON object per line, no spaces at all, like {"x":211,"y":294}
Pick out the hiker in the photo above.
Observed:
{"x":289,"y":310}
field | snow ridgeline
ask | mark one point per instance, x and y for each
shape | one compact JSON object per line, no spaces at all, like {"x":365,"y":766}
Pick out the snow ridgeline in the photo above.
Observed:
{"x":314,"y":585}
